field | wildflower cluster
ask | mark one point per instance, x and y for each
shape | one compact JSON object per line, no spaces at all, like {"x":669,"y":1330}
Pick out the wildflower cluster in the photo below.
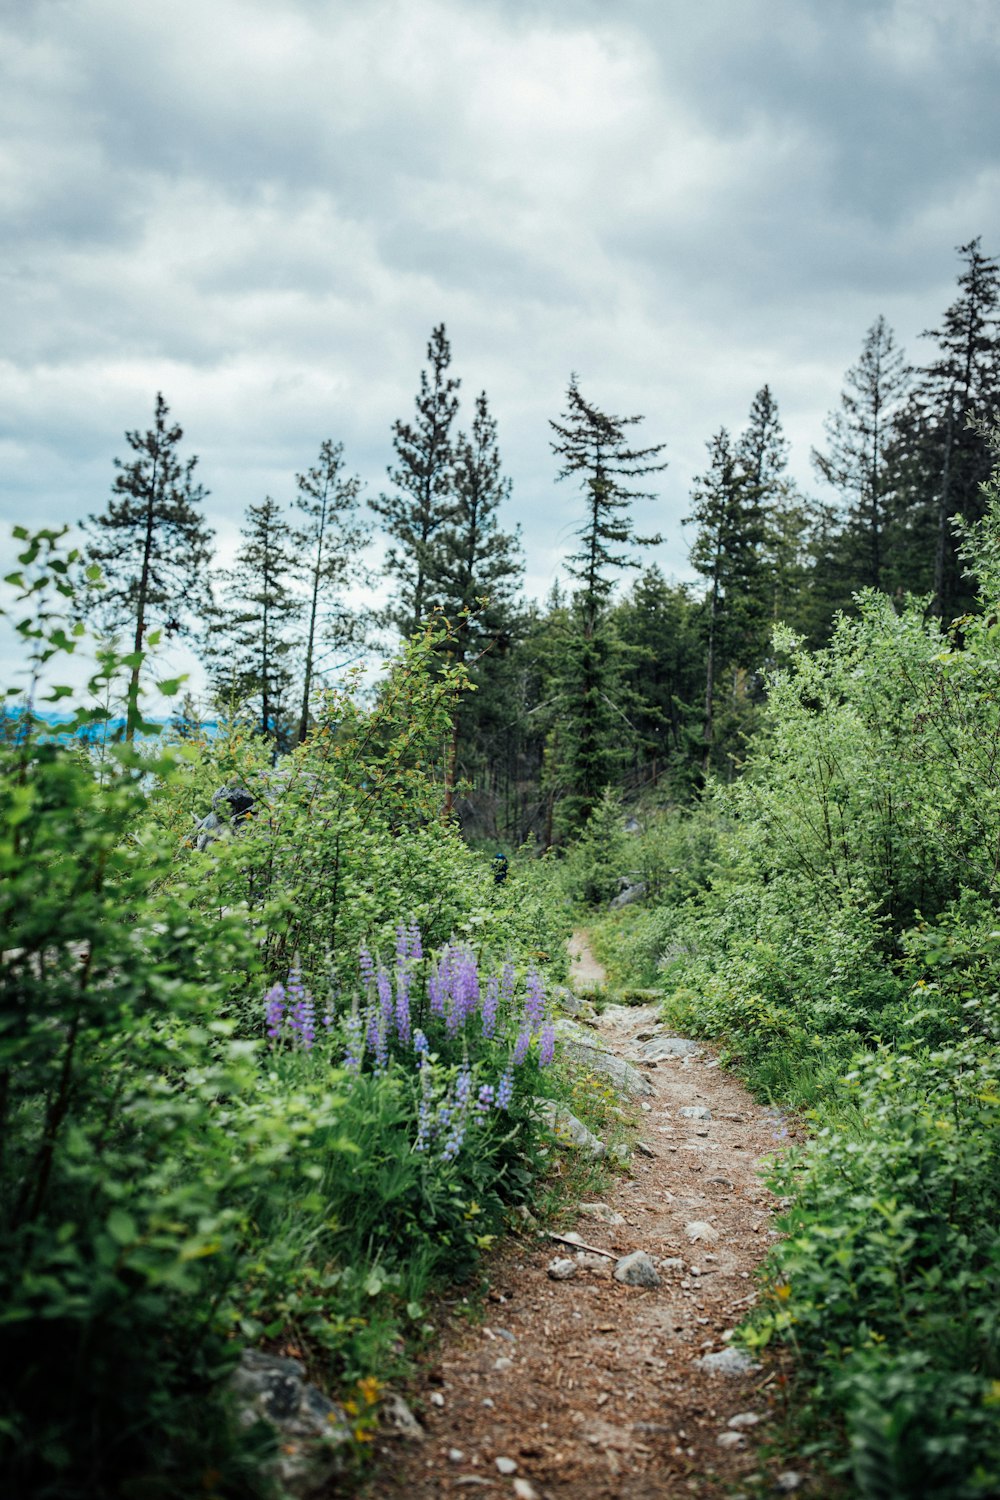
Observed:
{"x":290,"y":1014}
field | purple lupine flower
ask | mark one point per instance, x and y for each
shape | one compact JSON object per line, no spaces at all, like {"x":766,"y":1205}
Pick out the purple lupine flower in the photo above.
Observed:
{"x":467,"y":984}
{"x":490,"y":1002}
{"x":304,"y":1021}
{"x":416,"y":946}
{"x":521,"y":1046}
{"x":534,"y":1005}
{"x":274,"y":1002}
{"x":505,"y":1089}
{"x":402,"y":943}
{"x":508,"y":980}
{"x":385,"y":1002}
{"x":403,"y":1006}
{"x":371,"y":1027}
{"x":485,"y":1099}
{"x":463,"y":1087}
{"x":453,"y":1144}
{"x":421,"y":1047}
{"x":435,"y":994}
{"x":366,"y":965}
{"x":354,"y":1050}
{"x":547,"y":1044}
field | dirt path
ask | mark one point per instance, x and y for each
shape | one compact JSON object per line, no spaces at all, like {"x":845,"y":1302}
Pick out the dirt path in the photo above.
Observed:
{"x":588,"y":1389}
{"x":584,"y":969}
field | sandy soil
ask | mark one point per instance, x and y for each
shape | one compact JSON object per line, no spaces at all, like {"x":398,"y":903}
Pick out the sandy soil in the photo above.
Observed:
{"x":588,"y":1389}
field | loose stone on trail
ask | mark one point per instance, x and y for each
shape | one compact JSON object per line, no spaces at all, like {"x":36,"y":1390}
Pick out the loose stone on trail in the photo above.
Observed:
{"x":637,"y":1270}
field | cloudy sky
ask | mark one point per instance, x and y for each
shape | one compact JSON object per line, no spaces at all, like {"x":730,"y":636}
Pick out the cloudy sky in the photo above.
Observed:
{"x":262,"y":207}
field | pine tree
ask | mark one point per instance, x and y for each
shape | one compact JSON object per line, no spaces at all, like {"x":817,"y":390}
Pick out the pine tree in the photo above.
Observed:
{"x":251,"y":648}
{"x":594,"y":448}
{"x":856,"y":461}
{"x":658,"y":624}
{"x":423,"y":477}
{"x":728,"y":552}
{"x":328,"y":544}
{"x":474,"y":573}
{"x":152,"y":545}
{"x":941,"y":454}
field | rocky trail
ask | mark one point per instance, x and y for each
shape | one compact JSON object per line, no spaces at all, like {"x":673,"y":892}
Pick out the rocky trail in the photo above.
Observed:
{"x":601,"y":1370}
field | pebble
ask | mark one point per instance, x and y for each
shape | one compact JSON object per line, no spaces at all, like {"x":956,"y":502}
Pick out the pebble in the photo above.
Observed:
{"x":727,"y":1362}
{"x":506,"y":1466}
{"x":436,"y":1398}
{"x":744,"y":1419}
{"x":601,"y":1212}
{"x":644,"y":1149}
{"x":698,"y":1231}
{"x":455,"y":1456}
{"x":562,"y":1268}
{"x":788,"y":1481}
{"x":731,"y":1440}
{"x":646,"y":1108}
{"x":524,"y":1490}
{"x":637,"y":1270}
{"x":695,"y":1112}
{"x":503,"y":1363}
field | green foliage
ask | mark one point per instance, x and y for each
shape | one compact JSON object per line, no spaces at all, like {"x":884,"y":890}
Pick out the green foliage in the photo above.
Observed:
{"x":168,"y":1187}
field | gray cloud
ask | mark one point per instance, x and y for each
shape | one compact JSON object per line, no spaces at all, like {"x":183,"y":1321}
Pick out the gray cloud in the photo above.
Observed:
{"x":262,"y":210}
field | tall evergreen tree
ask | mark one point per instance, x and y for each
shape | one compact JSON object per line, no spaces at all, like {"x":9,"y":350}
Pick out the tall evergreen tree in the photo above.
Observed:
{"x":728,"y":552}
{"x":327,"y":542}
{"x":941,"y":454}
{"x":594,"y":448}
{"x":475,"y":570}
{"x":152,"y":545}
{"x":423,"y":476}
{"x":251,"y":648}
{"x":856,"y":460}
{"x":658,"y":623}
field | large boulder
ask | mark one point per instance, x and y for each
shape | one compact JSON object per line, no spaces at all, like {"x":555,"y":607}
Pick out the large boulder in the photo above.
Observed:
{"x":312,"y":1431}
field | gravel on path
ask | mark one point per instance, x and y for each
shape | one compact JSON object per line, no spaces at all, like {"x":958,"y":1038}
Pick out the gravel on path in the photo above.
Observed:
{"x":584,"y":1387}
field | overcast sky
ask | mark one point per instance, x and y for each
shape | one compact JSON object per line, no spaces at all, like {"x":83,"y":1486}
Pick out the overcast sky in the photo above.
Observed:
{"x":262,"y":207}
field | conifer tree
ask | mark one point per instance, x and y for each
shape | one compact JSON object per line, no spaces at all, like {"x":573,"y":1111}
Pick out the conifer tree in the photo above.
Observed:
{"x":251,"y":647}
{"x":423,"y":476}
{"x":728,"y":552}
{"x":327,"y":542}
{"x":594,"y":449}
{"x":941,"y":453}
{"x":856,"y":461}
{"x":152,"y":545}
{"x":475,"y":571}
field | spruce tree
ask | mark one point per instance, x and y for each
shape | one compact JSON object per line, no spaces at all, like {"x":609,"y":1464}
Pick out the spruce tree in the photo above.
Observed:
{"x":475,"y":570}
{"x":251,"y":648}
{"x":327,"y":542}
{"x":728,"y":551}
{"x":856,"y":460}
{"x":594,"y":449}
{"x":941,"y":454}
{"x":152,"y":545}
{"x":423,"y":476}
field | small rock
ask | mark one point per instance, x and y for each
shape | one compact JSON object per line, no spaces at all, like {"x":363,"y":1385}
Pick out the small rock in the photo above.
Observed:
{"x":569,"y":1130}
{"x":744,"y":1419}
{"x":698,"y":1231}
{"x":727,"y":1362}
{"x":788,"y":1481}
{"x":637,"y":1270}
{"x":599,"y":1265}
{"x":644,"y":1149}
{"x":436,"y":1398}
{"x":669,"y":1046}
{"x":503,"y":1363}
{"x":646,"y":1108}
{"x":731,"y":1440}
{"x":601,"y":1212}
{"x":395,"y":1414}
{"x":672,"y":1263}
{"x":562,"y":1268}
{"x":506,"y":1466}
{"x":524,"y":1490}
{"x":455,"y":1456}
{"x":310,"y":1427}
{"x":695,"y":1112}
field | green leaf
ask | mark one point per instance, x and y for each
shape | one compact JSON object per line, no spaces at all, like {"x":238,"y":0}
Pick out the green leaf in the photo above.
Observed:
{"x":122,"y":1227}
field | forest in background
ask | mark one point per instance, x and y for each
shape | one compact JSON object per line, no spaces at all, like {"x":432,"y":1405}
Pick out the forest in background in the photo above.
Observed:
{"x":635,"y":684}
